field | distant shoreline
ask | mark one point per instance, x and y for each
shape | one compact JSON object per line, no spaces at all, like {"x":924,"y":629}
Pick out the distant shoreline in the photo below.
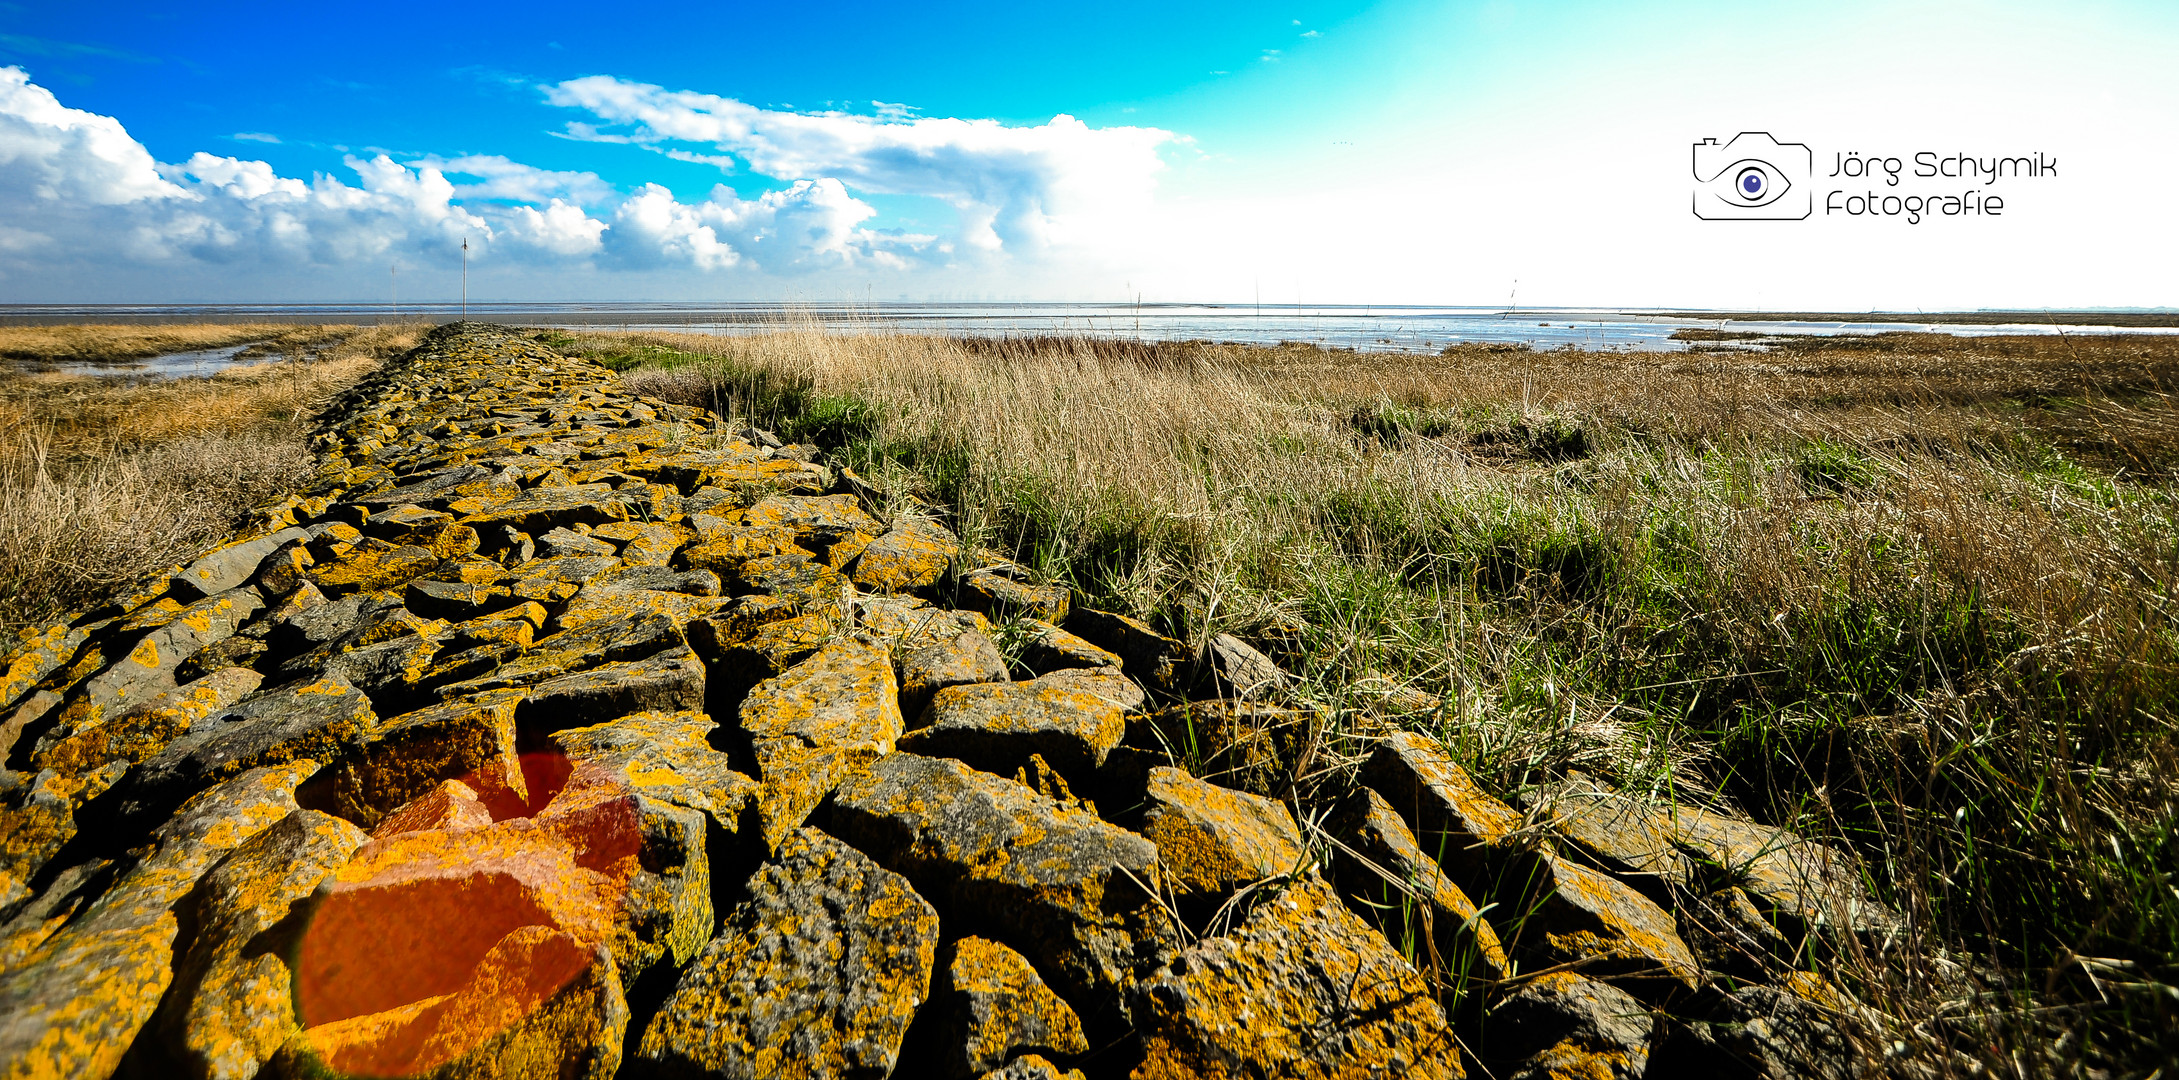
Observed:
{"x":666,"y":313}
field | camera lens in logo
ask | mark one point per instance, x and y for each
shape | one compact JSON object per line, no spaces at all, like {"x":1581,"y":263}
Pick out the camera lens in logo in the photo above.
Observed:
{"x":1753,"y":183}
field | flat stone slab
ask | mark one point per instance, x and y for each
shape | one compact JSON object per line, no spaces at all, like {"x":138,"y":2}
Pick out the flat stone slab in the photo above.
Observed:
{"x":1055,"y":882}
{"x":815,"y":724}
{"x":818,"y":973}
{"x":1213,"y":841}
{"x":1069,"y":720}
{"x":1301,"y":988}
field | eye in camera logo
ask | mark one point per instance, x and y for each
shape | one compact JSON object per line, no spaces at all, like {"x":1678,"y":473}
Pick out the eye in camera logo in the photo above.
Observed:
{"x":1752,"y":178}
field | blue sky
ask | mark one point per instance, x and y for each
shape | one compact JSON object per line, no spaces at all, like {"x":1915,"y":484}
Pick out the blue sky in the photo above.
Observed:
{"x":1387,"y":153}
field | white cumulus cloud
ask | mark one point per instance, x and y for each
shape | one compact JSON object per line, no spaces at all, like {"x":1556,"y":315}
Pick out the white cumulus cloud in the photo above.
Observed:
{"x":77,"y":191}
{"x":1016,"y":188}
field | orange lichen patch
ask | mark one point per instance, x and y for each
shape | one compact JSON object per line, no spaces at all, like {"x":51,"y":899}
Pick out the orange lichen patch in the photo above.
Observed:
{"x":370,"y":569}
{"x":1211,"y":840}
{"x":1450,"y":814}
{"x":1595,"y":921}
{"x":41,"y":653}
{"x":1301,"y":989}
{"x":1000,"y":1008}
{"x":915,"y":553}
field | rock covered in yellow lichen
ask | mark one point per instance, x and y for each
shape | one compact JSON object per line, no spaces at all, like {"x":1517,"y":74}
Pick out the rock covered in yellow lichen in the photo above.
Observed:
{"x":407,"y":756}
{"x":540,"y":1004}
{"x":231,"y":1005}
{"x":1151,"y":658}
{"x":317,"y":718}
{"x":1212,"y":841}
{"x":1603,"y":927}
{"x":1301,"y":988}
{"x":1561,"y":1026}
{"x":817,"y":974}
{"x":913,"y":554}
{"x":1247,"y":745}
{"x":832,"y":527}
{"x":1452,"y":816}
{"x":815,"y":724}
{"x":1031,"y":1067}
{"x":1071,"y":718}
{"x":992,"y":1007}
{"x":1401,"y":887}
{"x":1050,"y":879}
{"x":1000,"y":596}
{"x":73,"y":1006}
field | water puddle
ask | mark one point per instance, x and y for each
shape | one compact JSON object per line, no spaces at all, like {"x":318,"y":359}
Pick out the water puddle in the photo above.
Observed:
{"x":194,"y":363}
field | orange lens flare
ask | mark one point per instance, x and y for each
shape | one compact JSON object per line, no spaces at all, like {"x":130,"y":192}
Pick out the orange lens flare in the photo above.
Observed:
{"x":466,"y":912}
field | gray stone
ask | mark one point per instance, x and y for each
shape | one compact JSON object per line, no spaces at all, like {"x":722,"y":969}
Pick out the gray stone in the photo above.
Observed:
{"x":668,"y":682}
{"x":320,"y":718}
{"x":1070,"y":720}
{"x":818,"y":973}
{"x":228,"y":567}
{"x":1147,"y":656}
{"x":1235,"y":669}
{"x":1561,"y":1025}
{"x":1300,"y":988}
{"x":1051,"y":880}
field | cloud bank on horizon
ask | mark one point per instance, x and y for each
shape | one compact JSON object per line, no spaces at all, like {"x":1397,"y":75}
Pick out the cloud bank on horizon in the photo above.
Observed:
{"x":77,"y":189}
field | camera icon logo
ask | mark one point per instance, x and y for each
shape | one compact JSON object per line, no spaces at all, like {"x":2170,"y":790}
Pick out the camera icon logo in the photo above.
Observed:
{"x":1753,"y":178}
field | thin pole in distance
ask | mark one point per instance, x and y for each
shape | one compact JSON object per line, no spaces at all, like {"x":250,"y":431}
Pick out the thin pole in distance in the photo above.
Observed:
{"x":465,"y":279}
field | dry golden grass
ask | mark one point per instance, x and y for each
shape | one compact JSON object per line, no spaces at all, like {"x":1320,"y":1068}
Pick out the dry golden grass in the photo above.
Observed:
{"x":103,"y":480}
{"x":1915,"y":593}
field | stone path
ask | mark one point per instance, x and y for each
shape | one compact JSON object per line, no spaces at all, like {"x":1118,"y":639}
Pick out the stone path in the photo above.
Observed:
{"x":558,"y":733}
